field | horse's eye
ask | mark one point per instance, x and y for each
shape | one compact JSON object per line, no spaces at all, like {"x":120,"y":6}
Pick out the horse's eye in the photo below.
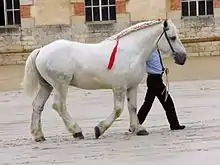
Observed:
{"x":173,"y":38}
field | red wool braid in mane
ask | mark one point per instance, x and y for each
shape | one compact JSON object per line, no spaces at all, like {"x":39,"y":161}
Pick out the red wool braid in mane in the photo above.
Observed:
{"x":112,"y":57}
{"x":114,"y":51}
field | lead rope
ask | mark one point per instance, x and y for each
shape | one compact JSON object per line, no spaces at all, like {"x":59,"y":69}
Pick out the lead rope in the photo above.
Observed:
{"x":167,"y":87}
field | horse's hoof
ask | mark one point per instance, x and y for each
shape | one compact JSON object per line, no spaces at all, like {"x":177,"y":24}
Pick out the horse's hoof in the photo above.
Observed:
{"x":97,"y":132}
{"x":78,"y":135}
{"x":142,"y":133}
{"x":40,"y":139}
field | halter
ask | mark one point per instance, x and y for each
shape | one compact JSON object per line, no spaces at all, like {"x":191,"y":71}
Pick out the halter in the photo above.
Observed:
{"x":163,"y":69}
{"x":165,"y":28}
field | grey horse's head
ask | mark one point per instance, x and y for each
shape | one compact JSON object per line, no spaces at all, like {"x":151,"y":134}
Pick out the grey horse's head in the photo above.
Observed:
{"x":170,"y":43}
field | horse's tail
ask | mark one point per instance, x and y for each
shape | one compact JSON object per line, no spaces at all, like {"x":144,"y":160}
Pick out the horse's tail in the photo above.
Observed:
{"x":31,"y":76}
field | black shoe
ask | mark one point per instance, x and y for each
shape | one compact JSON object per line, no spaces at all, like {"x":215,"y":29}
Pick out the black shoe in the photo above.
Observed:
{"x":180,"y":127}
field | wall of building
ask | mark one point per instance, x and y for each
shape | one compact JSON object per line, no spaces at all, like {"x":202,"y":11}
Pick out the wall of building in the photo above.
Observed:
{"x":77,"y":11}
{"x":201,"y":35}
{"x":41,"y":25}
{"x":146,"y":9}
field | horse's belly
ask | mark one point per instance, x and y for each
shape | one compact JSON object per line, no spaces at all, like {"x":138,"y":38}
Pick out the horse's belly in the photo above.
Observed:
{"x":89,"y":82}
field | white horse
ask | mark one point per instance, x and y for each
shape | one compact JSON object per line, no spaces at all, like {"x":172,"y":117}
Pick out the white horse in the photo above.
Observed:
{"x":63,"y":63}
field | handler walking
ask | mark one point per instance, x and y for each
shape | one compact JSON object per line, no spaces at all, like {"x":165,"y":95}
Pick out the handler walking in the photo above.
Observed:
{"x":156,"y":88}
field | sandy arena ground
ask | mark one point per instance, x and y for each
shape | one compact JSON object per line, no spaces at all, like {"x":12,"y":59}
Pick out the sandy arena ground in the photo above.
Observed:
{"x":197,"y":103}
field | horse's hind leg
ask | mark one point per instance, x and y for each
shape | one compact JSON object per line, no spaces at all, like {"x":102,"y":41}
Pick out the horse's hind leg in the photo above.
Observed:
{"x":60,"y":106}
{"x":38,"y":106}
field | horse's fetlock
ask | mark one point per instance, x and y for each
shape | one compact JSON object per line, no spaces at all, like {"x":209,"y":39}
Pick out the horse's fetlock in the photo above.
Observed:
{"x":72,"y":128}
{"x":118,"y":112}
{"x":103,"y":125}
{"x":132,"y":127}
{"x":55,"y":106}
{"x":35,"y":131}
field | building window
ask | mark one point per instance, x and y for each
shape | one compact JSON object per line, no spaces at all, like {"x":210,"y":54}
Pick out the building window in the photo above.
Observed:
{"x":10,"y":12}
{"x":197,"y":7}
{"x":100,"y":10}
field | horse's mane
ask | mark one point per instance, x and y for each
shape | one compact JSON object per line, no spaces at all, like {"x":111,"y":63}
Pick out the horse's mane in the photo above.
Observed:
{"x":134,"y":28}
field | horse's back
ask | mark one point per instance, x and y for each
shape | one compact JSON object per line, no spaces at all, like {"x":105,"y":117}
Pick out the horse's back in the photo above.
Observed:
{"x":64,"y":58}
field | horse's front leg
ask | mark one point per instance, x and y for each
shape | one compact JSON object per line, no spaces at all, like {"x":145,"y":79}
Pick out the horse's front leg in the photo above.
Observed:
{"x":119,"y":97}
{"x":132,"y":108}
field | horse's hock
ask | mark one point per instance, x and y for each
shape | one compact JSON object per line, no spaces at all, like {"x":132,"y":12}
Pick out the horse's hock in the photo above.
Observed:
{"x":201,"y":37}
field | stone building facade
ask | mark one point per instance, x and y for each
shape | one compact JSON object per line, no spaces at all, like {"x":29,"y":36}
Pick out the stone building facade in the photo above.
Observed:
{"x":29,"y":24}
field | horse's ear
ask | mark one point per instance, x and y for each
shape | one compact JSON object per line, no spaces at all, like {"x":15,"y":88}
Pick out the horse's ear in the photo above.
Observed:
{"x":165,"y":24}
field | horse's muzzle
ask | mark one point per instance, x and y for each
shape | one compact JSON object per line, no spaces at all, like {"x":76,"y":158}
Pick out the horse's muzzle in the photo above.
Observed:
{"x":180,"y":58}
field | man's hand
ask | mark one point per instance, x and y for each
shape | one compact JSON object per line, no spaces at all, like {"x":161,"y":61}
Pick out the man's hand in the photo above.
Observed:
{"x":127,"y":1}
{"x":166,"y":70}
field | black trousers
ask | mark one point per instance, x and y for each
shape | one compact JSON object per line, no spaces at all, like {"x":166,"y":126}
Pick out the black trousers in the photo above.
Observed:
{"x":155,"y":88}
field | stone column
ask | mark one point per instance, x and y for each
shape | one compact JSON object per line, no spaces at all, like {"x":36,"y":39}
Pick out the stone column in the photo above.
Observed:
{"x":25,"y":9}
{"x":216,"y":4}
{"x":174,"y":11}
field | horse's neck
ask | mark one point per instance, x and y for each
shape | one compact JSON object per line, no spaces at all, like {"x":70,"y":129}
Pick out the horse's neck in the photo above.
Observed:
{"x":142,"y":42}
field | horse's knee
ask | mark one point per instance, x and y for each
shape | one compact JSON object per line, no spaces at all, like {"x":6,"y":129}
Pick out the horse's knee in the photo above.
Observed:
{"x":132,"y":109}
{"x":131,"y":106}
{"x":59,"y":107}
